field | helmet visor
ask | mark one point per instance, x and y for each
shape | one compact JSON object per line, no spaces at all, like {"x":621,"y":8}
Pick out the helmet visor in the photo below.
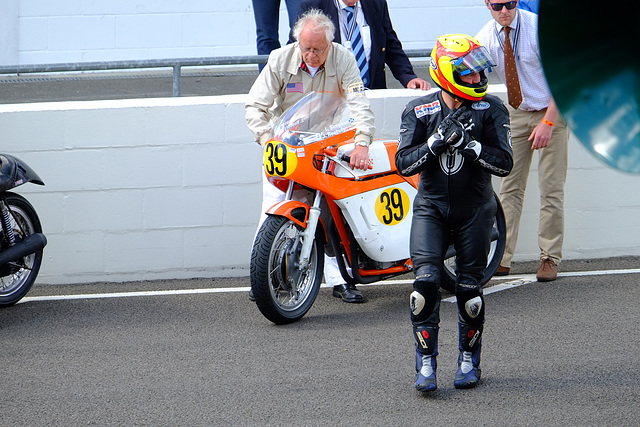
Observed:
{"x":474,"y":61}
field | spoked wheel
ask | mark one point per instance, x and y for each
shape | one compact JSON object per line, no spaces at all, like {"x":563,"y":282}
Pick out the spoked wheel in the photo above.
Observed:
{"x":284,"y":293}
{"x":16,"y":278}
{"x":496,"y":250}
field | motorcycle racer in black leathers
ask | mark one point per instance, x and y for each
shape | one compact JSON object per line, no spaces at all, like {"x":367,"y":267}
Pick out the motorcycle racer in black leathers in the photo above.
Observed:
{"x":455,"y":138}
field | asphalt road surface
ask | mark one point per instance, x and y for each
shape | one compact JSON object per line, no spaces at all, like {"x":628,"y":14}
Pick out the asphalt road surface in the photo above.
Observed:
{"x":199,"y":353}
{"x":120,"y":85}
{"x":125,"y":85}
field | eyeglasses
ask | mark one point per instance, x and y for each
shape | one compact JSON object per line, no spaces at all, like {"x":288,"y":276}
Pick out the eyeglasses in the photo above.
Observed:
{"x":314,"y":51}
{"x":498,"y":6}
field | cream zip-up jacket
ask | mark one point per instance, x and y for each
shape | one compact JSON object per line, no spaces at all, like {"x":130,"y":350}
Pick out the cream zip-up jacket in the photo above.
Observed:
{"x":270,"y":96}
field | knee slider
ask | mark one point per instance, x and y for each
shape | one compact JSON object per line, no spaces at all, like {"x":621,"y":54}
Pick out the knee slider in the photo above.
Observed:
{"x":470,"y":303}
{"x":424,"y":300}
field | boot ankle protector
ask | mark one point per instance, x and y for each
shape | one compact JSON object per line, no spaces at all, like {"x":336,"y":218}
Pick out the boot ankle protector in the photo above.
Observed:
{"x":426,"y":340}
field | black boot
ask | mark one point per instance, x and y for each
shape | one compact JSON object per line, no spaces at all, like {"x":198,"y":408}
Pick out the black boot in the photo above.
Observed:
{"x":348,"y":293}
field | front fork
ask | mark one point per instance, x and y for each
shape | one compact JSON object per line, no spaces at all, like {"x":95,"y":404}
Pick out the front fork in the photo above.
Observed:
{"x":309,"y":233}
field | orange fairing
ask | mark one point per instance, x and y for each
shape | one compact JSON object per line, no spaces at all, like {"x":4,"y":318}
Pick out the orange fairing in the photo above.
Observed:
{"x":296,"y":211}
{"x":392,"y":149}
{"x":289,"y":162}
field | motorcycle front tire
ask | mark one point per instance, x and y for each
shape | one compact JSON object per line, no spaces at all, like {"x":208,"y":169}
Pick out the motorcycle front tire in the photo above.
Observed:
{"x":16,"y":279}
{"x":284,"y":293}
{"x":496,"y":250}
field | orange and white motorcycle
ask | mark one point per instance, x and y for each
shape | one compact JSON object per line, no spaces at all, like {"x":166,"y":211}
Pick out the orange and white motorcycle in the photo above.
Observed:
{"x":363,"y":217}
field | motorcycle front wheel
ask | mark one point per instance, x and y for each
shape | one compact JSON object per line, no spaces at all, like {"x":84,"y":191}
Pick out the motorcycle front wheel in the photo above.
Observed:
{"x":283,"y":292}
{"x":16,"y":278}
{"x":496,"y":250}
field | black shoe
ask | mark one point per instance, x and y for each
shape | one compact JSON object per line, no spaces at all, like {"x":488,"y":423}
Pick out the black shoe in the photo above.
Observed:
{"x":252,"y":297}
{"x":348,"y":293}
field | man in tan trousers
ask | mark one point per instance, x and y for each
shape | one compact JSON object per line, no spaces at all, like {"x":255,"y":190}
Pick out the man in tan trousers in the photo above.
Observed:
{"x":536,"y":125}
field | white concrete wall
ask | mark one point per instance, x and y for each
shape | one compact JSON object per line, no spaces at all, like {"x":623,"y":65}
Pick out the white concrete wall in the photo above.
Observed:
{"x":9,"y":41}
{"x":81,"y":30}
{"x":170,"y":188}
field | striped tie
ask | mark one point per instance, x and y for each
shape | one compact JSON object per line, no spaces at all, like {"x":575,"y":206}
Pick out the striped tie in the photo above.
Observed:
{"x":357,"y":46}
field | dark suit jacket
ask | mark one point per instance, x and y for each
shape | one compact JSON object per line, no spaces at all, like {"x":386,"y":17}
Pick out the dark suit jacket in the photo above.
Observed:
{"x":385,"y":46}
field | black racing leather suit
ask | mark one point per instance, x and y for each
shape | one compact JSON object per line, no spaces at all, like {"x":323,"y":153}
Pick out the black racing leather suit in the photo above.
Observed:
{"x":455,"y":201}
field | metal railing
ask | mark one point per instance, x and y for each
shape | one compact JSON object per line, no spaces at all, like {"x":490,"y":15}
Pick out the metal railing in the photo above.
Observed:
{"x":175,"y":64}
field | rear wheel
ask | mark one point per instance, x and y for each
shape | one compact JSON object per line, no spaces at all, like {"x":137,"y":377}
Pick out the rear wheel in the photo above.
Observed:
{"x":284,"y":292}
{"x":496,"y":250}
{"x":16,"y":278}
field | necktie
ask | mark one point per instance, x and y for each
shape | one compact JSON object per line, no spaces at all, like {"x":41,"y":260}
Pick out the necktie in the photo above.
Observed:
{"x":357,"y":46}
{"x":511,"y":72}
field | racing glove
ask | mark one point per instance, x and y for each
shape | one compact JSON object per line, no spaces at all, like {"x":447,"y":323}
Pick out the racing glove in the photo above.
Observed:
{"x":453,"y":128}
{"x":471,"y":150}
{"x":436,"y":144}
{"x":452,"y":132}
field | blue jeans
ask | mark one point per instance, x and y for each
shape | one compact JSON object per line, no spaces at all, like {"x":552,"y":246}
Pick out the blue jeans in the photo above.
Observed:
{"x":267,"y":16}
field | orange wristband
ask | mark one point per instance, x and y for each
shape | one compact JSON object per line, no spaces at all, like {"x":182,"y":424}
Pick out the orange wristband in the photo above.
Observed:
{"x":547,"y":122}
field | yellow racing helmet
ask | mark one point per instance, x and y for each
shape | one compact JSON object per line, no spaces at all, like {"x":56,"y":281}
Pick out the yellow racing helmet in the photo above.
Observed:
{"x":457,"y":55}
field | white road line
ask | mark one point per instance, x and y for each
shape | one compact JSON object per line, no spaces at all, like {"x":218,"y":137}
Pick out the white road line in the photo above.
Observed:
{"x":518,"y":280}
{"x":135,"y":294}
{"x":525,"y":279}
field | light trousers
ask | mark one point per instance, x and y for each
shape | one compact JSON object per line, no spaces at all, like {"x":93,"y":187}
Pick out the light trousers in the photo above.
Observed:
{"x":552,"y":174}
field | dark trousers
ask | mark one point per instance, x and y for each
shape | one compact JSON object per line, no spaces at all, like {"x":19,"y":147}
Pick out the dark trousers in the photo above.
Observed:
{"x":267,"y":16}
{"x":434,"y":227}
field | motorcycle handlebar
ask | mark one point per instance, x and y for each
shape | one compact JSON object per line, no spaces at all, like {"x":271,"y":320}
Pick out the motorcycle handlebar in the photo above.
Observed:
{"x":346,"y":158}
{"x":343,"y":157}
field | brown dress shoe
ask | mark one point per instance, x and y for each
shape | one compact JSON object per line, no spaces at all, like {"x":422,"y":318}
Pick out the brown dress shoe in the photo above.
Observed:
{"x":548,"y":270}
{"x":502,"y":271}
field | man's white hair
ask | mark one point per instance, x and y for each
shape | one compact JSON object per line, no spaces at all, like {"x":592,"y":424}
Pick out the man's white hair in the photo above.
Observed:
{"x":319,"y":22}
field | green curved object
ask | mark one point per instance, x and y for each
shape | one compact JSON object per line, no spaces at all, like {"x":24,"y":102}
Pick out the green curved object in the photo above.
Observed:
{"x":591,"y":59}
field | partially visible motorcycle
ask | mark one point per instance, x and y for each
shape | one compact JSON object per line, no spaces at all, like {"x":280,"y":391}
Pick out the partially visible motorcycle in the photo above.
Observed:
{"x":361,"y":217}
{"x":21,"y":238}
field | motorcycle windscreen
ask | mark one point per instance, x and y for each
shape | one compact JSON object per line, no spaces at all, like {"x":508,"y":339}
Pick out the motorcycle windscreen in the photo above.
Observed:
{"x":314,"y":114}
{"x":592,"y":65}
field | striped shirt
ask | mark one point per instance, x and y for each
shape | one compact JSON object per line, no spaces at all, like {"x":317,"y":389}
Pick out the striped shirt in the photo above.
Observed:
{"x":524,"y":39}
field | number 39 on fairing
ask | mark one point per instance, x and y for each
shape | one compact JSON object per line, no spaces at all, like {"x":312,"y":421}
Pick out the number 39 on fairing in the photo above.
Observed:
{"x":279,"y":160}
{"x":392,"y":206}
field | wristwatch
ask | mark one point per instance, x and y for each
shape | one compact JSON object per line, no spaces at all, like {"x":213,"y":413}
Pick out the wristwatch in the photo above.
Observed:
{"x":362,"y":143}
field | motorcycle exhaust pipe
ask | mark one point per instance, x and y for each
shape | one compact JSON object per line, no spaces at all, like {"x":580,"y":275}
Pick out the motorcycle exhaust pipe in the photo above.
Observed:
{"x":31,"y":244}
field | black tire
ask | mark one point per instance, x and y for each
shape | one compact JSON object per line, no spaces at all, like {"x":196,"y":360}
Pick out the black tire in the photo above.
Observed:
{"x":16,"y":279}
{"x":283,"y":293}
{"x":498,"y":242}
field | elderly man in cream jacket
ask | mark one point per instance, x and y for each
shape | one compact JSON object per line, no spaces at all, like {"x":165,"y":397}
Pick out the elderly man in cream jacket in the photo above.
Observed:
{"x":312,"y":64}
